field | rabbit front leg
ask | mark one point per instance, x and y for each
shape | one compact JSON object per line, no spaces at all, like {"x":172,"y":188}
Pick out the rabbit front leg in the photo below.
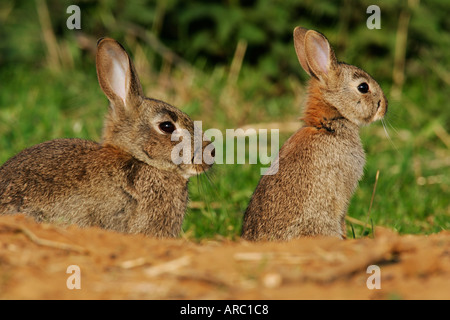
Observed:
{"x":162,"y":198}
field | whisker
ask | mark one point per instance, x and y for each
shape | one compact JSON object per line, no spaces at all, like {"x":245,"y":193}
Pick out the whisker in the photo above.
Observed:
{"x":203,"y":193}
{"x":197,"y":151}
{"x":392,"y":127}
{"x":198,"y":181}
{"x":388,"y":136}
{"x":211,"y":183}
{"x":209,"y":179}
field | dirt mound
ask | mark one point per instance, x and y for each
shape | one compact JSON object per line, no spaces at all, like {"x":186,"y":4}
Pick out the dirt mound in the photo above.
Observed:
{"x":35,"y":262}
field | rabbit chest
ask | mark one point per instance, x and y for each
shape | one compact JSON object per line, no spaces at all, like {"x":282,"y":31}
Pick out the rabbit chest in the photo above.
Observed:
{"x":318,"y":172}
{"x":324,"y":167}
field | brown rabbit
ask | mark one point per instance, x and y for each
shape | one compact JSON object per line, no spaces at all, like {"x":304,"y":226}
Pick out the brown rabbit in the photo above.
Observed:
{"x":320,"y":165}
{"x":128,"y":182}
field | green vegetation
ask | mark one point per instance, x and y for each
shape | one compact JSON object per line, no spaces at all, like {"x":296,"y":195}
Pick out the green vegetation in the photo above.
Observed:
{"x":232,"y":64}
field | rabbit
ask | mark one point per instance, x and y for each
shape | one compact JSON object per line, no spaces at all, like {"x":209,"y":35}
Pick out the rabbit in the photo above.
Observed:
{"x":320,"y":165}
{"x":127,"y":182}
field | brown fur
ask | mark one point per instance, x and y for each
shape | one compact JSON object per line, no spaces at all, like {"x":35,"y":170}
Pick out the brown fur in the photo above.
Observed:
{"x":126,"y":183}
{"x":321,"y":164}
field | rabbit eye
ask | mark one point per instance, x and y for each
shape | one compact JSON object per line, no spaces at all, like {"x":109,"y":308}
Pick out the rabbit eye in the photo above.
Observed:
{"x":167,"y":127}
{"x":363,"y":87}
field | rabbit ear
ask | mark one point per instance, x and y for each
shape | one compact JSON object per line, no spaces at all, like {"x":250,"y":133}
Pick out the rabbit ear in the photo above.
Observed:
{"x":299,"y":44}
{"x":116,"y":75}
{"x":314,"y":52}
{"x":319,"y":54}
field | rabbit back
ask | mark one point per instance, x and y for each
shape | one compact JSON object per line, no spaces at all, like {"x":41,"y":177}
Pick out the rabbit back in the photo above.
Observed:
{"x":85,"y":183}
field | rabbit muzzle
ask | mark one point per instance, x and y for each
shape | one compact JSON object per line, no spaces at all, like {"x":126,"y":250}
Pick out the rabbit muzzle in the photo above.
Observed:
{"x":382,"y":107}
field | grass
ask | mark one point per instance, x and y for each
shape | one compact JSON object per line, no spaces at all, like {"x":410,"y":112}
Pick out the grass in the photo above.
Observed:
{"x":413,"y":188}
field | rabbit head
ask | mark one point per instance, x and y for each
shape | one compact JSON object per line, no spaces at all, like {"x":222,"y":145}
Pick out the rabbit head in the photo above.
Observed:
{"x":349,"y":91}
{"x":142,"y":126}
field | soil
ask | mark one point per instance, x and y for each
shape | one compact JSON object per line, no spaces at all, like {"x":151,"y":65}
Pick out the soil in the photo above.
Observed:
{"x":35,"y":260}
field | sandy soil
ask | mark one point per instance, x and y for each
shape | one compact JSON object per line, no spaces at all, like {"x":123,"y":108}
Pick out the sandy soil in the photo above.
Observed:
{"x":34,"y":260}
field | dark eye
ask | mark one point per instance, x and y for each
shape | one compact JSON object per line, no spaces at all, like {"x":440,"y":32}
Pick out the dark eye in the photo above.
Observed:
{"x":363,"y":87}
{"x":167,"y":127}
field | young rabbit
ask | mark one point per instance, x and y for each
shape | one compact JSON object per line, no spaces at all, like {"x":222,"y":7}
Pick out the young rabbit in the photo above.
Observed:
{"x":320,"y":165}
{"x":128,"y":182}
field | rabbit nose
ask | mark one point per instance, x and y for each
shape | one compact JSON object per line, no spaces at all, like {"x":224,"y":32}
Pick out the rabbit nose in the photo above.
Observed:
{"x":383,"y":102}
{"x":385,"y":105}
